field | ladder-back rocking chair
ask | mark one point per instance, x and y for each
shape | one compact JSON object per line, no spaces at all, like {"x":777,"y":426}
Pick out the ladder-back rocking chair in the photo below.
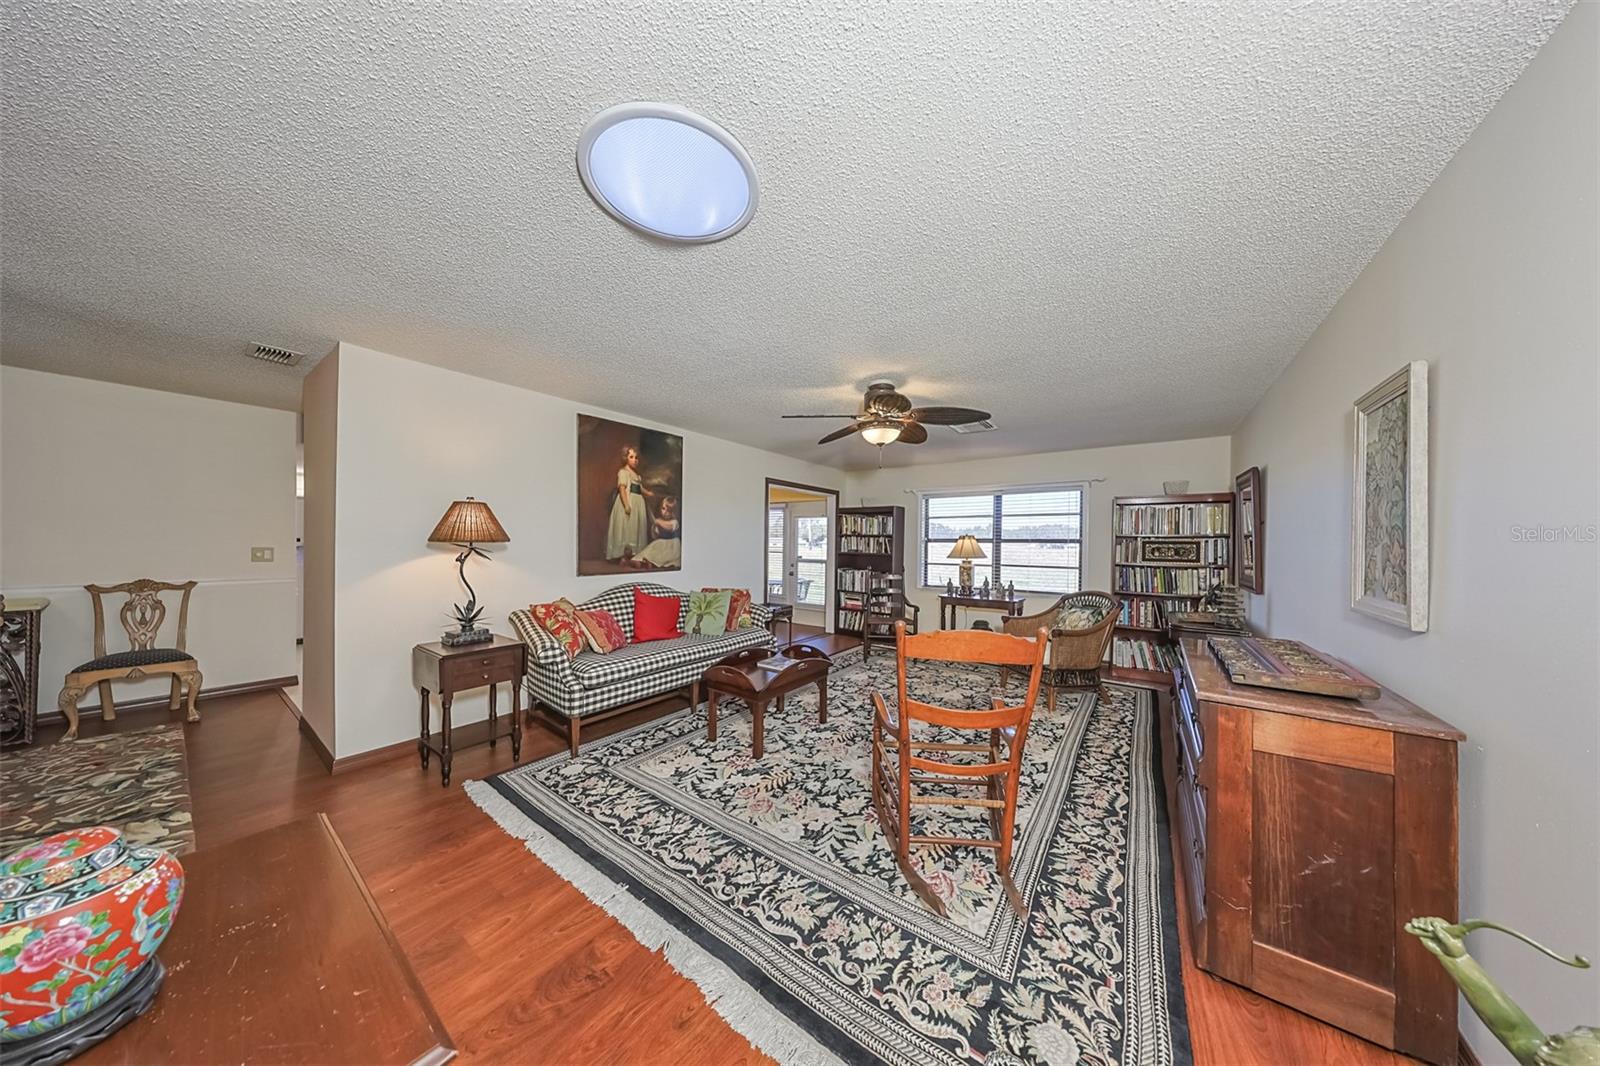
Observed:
{"x":141,"y":616}
{"x":901,"y":763}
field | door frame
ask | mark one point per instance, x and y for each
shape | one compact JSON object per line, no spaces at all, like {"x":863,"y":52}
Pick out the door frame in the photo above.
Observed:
{"x":831,"y":499}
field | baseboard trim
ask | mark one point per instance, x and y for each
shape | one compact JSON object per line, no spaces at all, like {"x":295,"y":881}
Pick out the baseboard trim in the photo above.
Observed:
{"x":279,"y":683}
{"x":323,"y":754}
{"x":373,"y":757}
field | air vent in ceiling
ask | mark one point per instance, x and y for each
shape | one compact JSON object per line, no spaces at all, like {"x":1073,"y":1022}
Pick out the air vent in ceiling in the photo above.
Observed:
{"x":268,"y":353}
{"x":986,"y":426}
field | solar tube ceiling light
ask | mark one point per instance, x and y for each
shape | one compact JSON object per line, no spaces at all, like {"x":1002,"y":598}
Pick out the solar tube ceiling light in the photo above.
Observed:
{"x":667,"y":172}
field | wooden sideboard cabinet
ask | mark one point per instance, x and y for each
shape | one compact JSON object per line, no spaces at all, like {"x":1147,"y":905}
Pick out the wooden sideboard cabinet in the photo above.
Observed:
{"x":1311,"y":829}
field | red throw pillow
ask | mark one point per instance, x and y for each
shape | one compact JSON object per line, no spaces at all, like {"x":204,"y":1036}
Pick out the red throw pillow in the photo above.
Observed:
{"x":655,"y":617}
{"x":560,"y":620}
{"x":604,"y":633}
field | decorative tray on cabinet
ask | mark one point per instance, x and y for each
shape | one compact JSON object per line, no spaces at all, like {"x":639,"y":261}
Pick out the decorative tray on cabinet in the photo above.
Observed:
{"x":1289,"y":665}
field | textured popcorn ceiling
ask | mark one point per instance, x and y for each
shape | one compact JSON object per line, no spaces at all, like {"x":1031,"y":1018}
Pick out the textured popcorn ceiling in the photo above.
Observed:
{"x":1104,"y":221}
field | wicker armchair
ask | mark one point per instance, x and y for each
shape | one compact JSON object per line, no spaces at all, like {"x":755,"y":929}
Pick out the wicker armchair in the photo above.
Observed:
{"x":1075,"y":654}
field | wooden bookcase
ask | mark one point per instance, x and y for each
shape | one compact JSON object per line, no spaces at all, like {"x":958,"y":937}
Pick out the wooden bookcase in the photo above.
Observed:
{"x":867,"y":541}
{"x":1199,"y":523}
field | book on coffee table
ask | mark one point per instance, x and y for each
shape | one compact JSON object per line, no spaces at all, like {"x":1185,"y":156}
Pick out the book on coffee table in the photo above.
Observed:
{"x":776,"y":662}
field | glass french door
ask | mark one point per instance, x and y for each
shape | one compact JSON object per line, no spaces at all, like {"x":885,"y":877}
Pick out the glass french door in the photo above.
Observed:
{"x":797,"y":554}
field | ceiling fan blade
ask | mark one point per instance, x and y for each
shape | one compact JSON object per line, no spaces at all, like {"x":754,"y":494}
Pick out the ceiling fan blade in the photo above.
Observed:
{"x":838,"y":434}
{"x":947,"y":416}
{"x":912,"y":433}
{"x":819,"y":416}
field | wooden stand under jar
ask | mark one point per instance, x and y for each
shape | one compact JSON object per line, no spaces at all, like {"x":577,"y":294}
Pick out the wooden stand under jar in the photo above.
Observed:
{"x":1311,"y":829}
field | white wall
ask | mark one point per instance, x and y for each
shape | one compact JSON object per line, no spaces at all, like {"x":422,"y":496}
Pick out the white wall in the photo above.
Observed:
{"x":413,"y":437}
{"x":1492,"y":279}
{"x":319,"y":405}
{"x":105,"y":483}
{"x":1129,"y":470}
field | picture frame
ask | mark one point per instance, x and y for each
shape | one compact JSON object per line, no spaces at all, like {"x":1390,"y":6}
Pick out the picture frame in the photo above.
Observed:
{"x":1389,"y":501}
{"x":643,"y":534}
{"x":1169,"y":551}
{"x":1251,"y":507}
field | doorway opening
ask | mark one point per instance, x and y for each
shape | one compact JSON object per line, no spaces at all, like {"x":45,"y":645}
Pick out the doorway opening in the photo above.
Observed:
{"x":799,"y":525}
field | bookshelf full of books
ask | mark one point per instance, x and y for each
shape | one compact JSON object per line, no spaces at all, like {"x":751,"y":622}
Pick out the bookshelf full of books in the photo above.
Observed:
{"x":870,"y":544}
{"x":1167,"y":553}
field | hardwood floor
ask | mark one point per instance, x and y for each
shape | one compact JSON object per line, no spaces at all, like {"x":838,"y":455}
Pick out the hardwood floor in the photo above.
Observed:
{"x":519,"y":965}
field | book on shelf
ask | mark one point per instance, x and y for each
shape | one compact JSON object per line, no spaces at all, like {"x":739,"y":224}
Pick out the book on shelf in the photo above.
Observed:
{"x":1146,"y":614}
{"x":1169,"y":581}
{"x":862,"y":545}
{"x":854,"y":579}
{"x":869,"y":525}
{"x":1175,"y":519}
{"x":1137,"y":654}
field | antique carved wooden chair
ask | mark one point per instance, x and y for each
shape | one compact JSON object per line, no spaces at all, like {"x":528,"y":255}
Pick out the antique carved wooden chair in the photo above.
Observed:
{"x":141,"y":615}
{"x":903,"y":765}
{"x":1076,"y":651}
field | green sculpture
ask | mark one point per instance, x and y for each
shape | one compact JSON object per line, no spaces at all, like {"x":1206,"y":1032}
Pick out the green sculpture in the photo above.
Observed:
{"x":1508,"y":1022}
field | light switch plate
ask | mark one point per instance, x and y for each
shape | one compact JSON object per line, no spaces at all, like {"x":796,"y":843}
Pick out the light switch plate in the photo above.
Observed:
{"x":261,"y":555}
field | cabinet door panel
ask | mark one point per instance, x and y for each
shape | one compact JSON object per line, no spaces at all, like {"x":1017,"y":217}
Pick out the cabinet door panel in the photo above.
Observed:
{"x":1324,"y":865}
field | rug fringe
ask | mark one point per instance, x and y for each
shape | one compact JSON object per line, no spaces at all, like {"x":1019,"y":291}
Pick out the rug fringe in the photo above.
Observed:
{"x":741,"y":1006}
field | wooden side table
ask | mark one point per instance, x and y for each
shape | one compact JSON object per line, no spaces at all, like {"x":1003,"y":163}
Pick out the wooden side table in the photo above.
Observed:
{"x":19,"y":667}
{"x":448,"y":670}
{"x":781,"y":612}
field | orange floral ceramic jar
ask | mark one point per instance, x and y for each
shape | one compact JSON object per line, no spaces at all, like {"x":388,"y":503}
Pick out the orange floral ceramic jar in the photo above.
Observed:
{"x":81,"y":913}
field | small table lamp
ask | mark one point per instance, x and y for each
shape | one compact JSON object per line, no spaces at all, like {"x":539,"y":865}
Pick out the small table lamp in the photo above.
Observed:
{"x":966,"y":550}
{"x":466,"y":524}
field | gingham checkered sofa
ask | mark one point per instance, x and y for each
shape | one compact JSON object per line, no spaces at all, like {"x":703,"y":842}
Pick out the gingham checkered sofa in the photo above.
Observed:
{"x":593,"y":686}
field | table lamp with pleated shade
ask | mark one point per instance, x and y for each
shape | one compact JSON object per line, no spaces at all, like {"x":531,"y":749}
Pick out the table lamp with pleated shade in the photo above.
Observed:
{"x":466,"y":524}
{"x":966,"y":549}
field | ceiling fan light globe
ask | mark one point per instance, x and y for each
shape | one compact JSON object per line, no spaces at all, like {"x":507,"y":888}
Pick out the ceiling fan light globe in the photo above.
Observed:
{"x":881,"y":433}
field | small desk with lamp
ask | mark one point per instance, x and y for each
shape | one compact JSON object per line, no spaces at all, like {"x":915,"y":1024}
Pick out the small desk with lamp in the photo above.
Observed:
{"x":966,"y":549}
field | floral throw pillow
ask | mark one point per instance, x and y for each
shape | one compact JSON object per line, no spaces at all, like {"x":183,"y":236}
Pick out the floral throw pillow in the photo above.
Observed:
{"x":1079,"y":617}
{"x":739,"y":616}
{"x":602,"y":632}
{"x":708,"y":613}
{"x":560,"y":620}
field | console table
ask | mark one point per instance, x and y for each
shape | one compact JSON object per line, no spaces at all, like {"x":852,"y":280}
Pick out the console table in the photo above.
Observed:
{"x":1310,"y":829}
{"x":1011,"y":607}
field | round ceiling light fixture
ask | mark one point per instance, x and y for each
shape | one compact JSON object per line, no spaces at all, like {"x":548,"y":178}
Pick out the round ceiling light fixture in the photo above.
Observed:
{"x":667,"y":172}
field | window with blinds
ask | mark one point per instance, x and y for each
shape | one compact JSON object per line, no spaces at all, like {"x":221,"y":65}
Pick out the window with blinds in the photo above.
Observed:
{"x":776,"y":513}
{"x":1030,"y":537}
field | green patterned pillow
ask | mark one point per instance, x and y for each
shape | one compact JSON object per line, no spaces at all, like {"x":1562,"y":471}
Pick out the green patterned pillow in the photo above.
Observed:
{"x":708,"y":613}
{"x":1080,"y":616}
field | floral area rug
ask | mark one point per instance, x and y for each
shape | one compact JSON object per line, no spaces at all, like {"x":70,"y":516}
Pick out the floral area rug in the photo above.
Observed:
{"x":137,"y":782}
{"x":769,"y":883}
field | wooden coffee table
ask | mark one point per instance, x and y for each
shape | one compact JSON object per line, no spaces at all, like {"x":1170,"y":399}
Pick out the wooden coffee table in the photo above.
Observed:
{"x":738,"y":675}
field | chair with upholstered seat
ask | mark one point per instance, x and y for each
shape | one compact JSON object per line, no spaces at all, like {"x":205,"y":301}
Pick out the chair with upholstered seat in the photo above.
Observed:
{"x":1081,"y":626}
{"x":141,"y":616}
{"x":905,"y":765}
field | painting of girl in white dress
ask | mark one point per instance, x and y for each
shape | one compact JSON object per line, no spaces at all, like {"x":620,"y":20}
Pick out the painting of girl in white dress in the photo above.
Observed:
{"x":629,"y":484}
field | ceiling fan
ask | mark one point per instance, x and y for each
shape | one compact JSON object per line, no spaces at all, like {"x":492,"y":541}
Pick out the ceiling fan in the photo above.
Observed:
{"x":886,"y":417}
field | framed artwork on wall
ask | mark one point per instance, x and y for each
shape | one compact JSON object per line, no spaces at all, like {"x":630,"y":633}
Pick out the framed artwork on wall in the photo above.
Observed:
{"x":630,"y":509}
{"x":1389,"y":514}
{"x":1252,"y":529}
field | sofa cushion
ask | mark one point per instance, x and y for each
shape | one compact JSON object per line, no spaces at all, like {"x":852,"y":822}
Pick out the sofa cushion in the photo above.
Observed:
{"x":656,"y":656}
{"x":601,"y":631}
{"x":708,"y":613}
{"x":617,"y":601}
{"x":655,"y":617}
{"x":560,"y":620}
{"x":739,"y":616}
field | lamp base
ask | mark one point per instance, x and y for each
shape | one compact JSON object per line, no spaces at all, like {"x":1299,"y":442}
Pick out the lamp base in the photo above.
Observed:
{"x":456,"y":637}
{"x":965,"y":577}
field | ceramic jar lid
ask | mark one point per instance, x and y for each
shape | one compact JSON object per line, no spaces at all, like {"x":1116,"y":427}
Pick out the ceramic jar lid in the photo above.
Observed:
{"x":66,"y":867}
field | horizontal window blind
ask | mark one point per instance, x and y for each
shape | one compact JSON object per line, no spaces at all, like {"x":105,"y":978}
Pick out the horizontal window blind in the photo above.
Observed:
{"x":1030,"y":537}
